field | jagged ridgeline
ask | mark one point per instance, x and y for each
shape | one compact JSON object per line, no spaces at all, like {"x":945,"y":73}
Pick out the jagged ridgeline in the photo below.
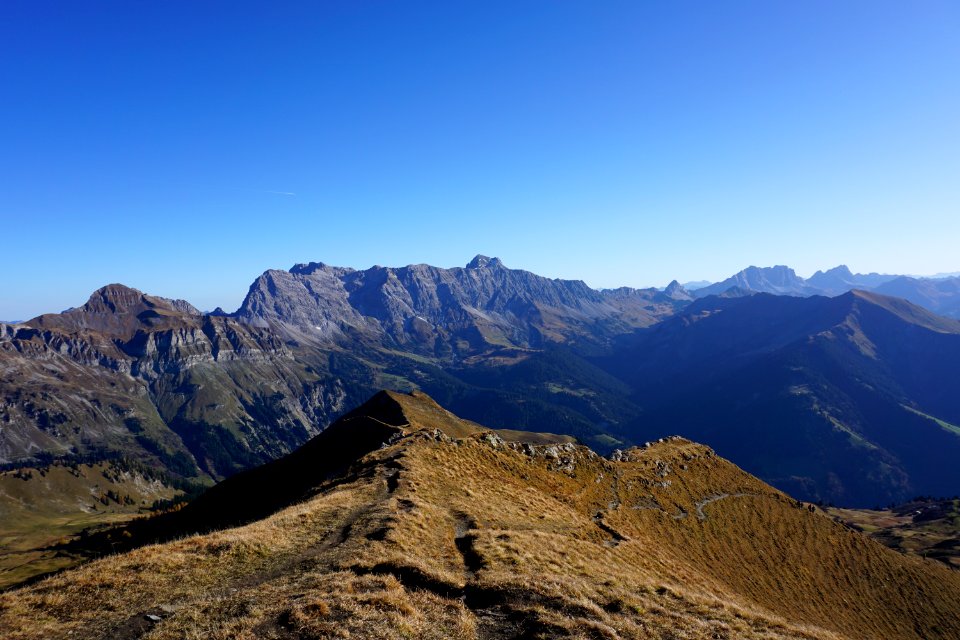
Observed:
{"x":850,"y":399}
{"x":403,"y":520}
{"x":444,"y":312}
{"x":207,"y":395}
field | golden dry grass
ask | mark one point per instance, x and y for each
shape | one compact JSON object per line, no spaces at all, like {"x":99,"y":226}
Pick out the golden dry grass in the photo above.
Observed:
{"x":473,"y":536}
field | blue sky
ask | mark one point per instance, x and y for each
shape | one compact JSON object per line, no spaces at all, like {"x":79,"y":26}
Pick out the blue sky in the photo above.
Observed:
{"x":185,"y":147}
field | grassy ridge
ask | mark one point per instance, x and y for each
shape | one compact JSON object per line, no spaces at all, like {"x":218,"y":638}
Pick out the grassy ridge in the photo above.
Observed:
{"x":451,"y":531}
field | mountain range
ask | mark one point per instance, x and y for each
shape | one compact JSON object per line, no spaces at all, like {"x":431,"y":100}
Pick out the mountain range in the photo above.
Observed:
{"x":940,"y":294}
{"x":403,"y":520}
{"x":836,"y":399}
{"x":446,"y":313}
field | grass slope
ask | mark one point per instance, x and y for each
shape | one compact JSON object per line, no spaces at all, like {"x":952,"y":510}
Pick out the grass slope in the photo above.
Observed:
{"x":446,"y":530}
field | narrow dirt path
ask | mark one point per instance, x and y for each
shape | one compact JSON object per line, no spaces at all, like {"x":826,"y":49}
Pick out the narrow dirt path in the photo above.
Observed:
{"x":700,"y":504}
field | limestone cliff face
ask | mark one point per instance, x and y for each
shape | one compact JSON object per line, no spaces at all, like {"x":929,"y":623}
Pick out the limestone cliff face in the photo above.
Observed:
{"x":133,"y":374}
{"x":459,"y":309}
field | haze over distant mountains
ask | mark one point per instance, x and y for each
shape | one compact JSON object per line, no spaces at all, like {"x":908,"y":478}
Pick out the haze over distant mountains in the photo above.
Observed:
{"x":940,"y":293}
{"x":839,"y":399}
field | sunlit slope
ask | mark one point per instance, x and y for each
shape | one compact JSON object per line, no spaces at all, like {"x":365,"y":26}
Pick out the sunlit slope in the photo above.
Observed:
{"x":446,"y":530}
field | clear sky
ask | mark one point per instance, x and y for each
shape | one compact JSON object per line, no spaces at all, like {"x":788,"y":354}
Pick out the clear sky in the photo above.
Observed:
{"x":184,"y":147}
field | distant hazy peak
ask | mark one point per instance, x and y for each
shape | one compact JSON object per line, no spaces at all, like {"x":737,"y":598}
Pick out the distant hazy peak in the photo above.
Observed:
{"x":779,"y":279}
{"x":779,"y":274}
{"x":483,"y":262}
{"x":840,"y":270}
{"x":693,"y":285}
{"x":673,"y":286}
{"x":676,"y":291}
{"x":779,"y":269}
{"x":841,"y":278}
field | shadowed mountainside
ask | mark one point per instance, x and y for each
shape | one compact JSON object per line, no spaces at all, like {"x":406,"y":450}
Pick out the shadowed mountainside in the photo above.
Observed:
{"x":850,"y":399}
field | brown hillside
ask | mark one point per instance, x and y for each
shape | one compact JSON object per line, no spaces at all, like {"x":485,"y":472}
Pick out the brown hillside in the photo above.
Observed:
{"x":451,"y":531}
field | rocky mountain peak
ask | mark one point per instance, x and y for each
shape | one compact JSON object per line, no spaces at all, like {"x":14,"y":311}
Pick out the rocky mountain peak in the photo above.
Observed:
{"x":436,"y":310}
{"x":778,"y":273}
{"x":306,"y":268}
{"x":838,"y":274}
{"x":841,"y":270}
{"x":483,"y":262}
{"x":118,"y":311}
{"x":673,"y":287}
{"x":779,"y":279}
{"x":113,"y":298}
{"x":119,"y":298}
{"x":675,"y":291}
